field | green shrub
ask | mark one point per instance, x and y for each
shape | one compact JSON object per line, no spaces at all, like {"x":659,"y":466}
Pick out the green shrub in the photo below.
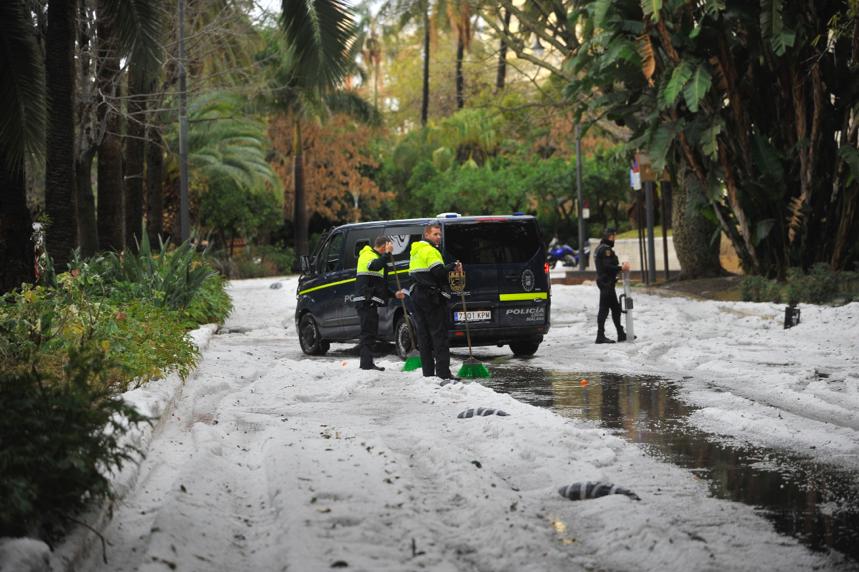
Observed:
{"x":169,"y":277}
{"x":40,"y":328}
{"x":819,"y":286}
{"x":59,"y":437}
{"x":210,"y":304}
{"x":144,"y":342}
{"x":753,"y":288}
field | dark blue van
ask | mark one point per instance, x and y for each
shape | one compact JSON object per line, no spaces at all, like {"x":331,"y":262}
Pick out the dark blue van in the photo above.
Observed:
{"x":507,"y":286}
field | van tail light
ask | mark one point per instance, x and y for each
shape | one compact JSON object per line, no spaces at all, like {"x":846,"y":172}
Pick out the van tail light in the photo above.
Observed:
{"x":546,"y":267}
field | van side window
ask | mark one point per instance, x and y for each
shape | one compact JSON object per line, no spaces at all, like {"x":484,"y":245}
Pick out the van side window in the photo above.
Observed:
{"x":329,"y":259}
{"x":403,"y":237}
{"x":355,"y":241}
{"x":359,"y":245}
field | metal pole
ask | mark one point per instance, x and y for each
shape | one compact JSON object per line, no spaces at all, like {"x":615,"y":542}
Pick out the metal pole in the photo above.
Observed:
{"x":626,"y":308}
{"x":184,"y":216}
{"x":664,"y":191}
{"x":651,"y":243}
{"x":581,"y":209}
{"x":642,"y":258}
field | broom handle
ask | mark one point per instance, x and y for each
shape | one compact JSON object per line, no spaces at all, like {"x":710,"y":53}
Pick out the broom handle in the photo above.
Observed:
{"x":405,"y":312}
{"x":465,"y":311}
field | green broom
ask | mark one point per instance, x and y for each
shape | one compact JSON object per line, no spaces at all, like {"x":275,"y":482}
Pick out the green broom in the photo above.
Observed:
{"x":471,"y":368}
{"x":413,"y":358}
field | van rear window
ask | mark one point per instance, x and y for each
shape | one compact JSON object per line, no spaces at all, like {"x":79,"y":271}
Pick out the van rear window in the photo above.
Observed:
{"x":492,"y":242}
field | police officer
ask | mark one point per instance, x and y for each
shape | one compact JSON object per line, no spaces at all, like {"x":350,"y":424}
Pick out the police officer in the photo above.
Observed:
{"x":431,"y":292}
{"x":371,"y":291}
{"x":607,"y":270}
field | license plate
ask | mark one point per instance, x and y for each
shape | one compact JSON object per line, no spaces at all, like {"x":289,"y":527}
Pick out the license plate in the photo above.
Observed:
{"x":475,"y":316}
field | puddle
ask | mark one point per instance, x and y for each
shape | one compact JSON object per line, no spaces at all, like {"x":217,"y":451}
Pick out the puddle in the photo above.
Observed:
{"x":817,"y":504}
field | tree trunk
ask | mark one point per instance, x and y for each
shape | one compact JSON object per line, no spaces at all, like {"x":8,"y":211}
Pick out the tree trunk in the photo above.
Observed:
{"x":460,"y":80}
{"x":154,"y":181}
{"x":134,"y":156}
{"x":300,"y":215}
{"x":501,"y":75}
{"x":111,"y":212}
{"x":61,"y":236}
{"x":693,"y":234}
{"x":86,"y":145}
{"x":87,"y":226}
{"x":425,"y":85}
{"x":16,"y":228}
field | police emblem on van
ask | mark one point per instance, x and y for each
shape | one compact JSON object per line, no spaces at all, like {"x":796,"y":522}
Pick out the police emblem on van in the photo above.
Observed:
{"x":528,"y":280}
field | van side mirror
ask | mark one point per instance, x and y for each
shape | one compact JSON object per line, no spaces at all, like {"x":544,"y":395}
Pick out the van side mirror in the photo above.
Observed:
{"x":305,"y":264}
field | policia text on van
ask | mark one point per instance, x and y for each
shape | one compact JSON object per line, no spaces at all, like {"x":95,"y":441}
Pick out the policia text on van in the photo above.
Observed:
{"x":507,"y":283}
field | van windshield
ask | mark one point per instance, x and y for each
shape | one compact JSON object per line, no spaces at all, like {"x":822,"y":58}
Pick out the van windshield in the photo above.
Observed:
{"x":492,"y":242}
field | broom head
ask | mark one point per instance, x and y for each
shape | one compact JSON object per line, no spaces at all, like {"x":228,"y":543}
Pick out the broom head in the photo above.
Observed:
{"x":413,"y":361}
{"x":473,"y":369}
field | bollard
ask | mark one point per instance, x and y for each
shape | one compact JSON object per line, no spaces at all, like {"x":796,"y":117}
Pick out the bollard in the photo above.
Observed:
{"x":791,"y":316}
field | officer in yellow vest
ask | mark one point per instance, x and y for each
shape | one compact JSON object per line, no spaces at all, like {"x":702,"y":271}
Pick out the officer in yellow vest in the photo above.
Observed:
{"x":430,"y":293}
{"x":371,"y":291}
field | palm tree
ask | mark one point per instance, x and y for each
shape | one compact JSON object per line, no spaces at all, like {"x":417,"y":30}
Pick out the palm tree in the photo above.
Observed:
{"x":111,"y":207}
{"x":61,"y":236}
{"x":144,"y":18}
{"x":501,"y":75}
{"x":459,"y":16}
{"x":409,"y":11}
{"x":22,"y":121}
{"x":317,"y":35}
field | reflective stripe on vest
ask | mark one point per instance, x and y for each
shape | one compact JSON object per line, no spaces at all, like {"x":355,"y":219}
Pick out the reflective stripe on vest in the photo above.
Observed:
{"x":365,"y":257}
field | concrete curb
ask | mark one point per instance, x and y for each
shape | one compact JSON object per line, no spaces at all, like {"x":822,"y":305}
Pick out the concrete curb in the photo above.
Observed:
{"x":156,"y":399}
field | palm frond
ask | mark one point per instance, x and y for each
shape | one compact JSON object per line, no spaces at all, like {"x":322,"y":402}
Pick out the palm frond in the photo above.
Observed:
{"x":139,"y":25}
{"x":318,"y":34}
{"x":22,"y":90}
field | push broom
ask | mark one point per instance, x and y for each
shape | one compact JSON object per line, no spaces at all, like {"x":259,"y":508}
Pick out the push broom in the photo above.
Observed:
{"x":471,"y":368}
{"x":413,"y":358}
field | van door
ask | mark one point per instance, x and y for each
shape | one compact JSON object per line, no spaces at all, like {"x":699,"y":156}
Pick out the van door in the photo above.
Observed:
{"x":403,"y":236}
{"x":479,"y":245}
{"x":335,"y":285}
{"x":357,"y":238}
{"x":503,"y":263}
{"x":523,"y":285}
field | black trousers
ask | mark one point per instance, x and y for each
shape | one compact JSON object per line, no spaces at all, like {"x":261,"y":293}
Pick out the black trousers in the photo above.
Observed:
{"x":608,"y":301}
{"x":431,"y":314}
{"x":369,"y":316}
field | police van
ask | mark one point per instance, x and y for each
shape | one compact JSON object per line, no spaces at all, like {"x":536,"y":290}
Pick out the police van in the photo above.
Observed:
{"x":507,"y":287}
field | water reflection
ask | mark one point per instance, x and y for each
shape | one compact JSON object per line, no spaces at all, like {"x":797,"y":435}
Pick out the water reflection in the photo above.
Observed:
{"x":815,"y":503}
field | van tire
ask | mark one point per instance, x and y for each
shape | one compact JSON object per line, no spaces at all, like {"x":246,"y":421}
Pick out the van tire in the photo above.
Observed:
{"x":525,"y":348}
{"x":403,"y":338}
{"x":309,"y":337}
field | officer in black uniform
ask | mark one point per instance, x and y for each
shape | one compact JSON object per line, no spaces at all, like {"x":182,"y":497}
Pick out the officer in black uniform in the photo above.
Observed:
{"x":431,"y":292}
{"x":371,"y":291}
{"x":607,"y":270}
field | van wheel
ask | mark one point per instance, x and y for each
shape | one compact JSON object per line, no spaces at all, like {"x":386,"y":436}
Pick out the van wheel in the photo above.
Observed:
{"x":403,"y":338}
{"x":524,"y":349}
{"x":309,"y":338}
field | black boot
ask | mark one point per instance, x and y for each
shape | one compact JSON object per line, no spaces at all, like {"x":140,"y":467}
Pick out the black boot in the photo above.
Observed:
{"x":622,"y":337}
{"x":601,"y":339}
{"x":374,"y":366}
